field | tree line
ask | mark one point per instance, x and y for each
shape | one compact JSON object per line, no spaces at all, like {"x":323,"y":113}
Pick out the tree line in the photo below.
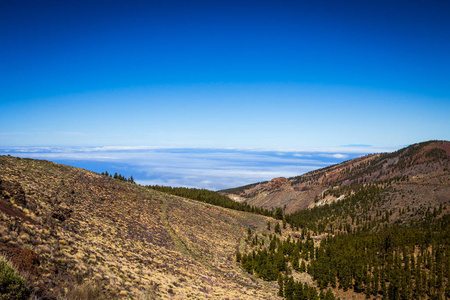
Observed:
{"x":210,"y":197}
{"x":119,"y":177}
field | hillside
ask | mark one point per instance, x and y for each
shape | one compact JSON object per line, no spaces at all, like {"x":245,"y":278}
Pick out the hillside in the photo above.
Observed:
{"x":419,"y":173}
{"x":76,"y":232}
{"x":378,"y":227}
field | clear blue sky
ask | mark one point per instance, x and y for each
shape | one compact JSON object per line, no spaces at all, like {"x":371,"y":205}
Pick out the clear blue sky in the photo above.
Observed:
{"x":249,"y":74}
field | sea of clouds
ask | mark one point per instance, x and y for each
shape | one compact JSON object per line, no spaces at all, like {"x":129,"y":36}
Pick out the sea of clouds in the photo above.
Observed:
{"x":213,"y":169}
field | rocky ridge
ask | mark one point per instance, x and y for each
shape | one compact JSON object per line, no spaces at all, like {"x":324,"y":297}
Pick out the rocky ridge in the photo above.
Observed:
{"x":415,"y":169}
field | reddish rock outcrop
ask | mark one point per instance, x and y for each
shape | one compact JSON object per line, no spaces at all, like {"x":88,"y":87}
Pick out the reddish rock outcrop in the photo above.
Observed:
{"x":277,"y":183}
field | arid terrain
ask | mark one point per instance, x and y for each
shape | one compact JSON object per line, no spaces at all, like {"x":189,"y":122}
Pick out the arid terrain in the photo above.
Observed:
{"x":69,"y":227}
{"x":419,"y":173}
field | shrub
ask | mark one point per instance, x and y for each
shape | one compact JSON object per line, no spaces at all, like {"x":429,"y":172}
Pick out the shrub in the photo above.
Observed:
{"x":12,"y":286}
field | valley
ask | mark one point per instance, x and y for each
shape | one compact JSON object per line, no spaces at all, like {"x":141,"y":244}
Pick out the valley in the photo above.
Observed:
{"x":376,"y":227}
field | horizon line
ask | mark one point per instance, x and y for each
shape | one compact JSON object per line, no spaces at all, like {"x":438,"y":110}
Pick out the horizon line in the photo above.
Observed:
{"x":355,"y":148}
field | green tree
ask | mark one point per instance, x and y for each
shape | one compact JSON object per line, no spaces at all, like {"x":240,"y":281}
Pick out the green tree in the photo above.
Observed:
{"x":289,"y":288}
{"x":280,"y":285}
{"x":329,"y":295}
{"x":277,"y":228}
{"x":278,"y":213}
{"x":238,"y":256}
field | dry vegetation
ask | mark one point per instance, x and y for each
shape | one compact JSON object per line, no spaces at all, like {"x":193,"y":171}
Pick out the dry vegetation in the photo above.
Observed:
{"x":75,"y":234}
{"x":81,"y":235}
{"x":416,"y":170}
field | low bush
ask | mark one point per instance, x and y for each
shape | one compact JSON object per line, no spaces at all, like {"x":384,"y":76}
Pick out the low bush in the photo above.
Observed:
{"x":12,"y":286}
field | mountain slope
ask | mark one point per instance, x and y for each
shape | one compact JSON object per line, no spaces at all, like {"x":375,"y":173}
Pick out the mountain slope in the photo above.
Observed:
{"x":379,"y":229}
{"x":68,"y":227}
{"x":418,"y":169}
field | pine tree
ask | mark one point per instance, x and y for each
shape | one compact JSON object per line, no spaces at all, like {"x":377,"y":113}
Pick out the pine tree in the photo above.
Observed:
{"x":278,"y":213}
{"x":277,"y":228}
{"x":281,"y":285}
{"x":289,"y":288}
{"x":329,"y":295}
{"x":238,"y":256}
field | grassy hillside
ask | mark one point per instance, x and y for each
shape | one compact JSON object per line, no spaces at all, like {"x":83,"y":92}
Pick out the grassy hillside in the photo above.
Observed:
{"x":77,"y":232}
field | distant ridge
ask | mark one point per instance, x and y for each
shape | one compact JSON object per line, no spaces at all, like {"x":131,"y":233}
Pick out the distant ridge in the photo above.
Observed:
{"x":420,"y":163}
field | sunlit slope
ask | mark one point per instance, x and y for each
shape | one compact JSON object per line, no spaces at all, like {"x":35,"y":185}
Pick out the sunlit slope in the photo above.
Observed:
{"x":129,"y":240}
{"x":420,"y":169}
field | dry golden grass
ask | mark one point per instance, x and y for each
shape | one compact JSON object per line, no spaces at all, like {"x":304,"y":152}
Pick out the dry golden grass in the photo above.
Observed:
{"x":131,"y":241}
{"x":85,"y":291}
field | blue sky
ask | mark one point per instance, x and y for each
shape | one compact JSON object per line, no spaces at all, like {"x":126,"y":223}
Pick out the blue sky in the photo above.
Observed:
{"x":248,"y":75}
{"x":252,"y":74}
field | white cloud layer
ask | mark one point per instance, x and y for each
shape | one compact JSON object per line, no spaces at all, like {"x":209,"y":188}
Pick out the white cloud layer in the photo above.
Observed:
{"x":191,"y":167}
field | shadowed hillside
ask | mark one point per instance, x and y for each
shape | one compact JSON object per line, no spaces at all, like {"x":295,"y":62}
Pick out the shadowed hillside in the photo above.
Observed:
{"x":74,"y":231}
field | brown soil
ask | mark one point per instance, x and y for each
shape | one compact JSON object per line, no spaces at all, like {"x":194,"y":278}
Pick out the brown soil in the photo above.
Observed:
{"x":14,"y":212}
{"x":25,"y":260}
